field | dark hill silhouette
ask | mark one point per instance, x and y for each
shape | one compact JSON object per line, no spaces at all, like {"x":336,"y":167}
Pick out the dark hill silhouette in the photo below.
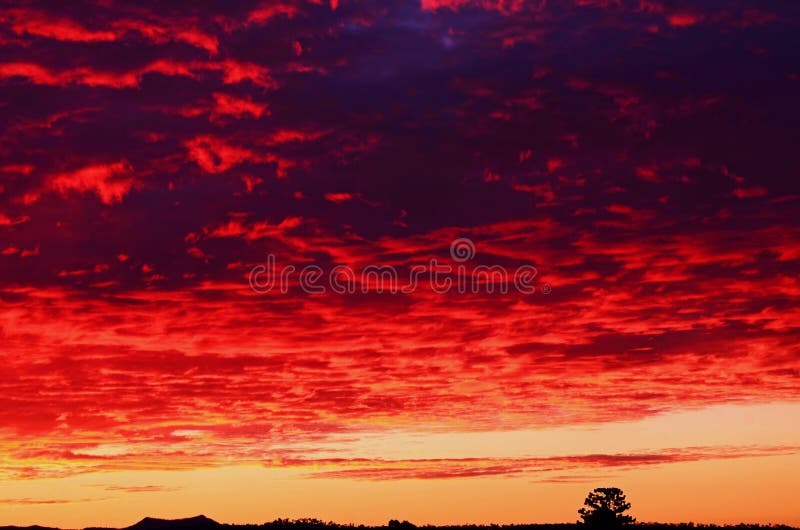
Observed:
{"x":34,"y":527}
{"x":200,"y":522}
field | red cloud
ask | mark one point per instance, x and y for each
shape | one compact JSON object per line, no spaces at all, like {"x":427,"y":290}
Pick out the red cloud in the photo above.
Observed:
{"x":166,"y":31}
{"x":288,"y":135}
{"x":232,"y":72}
{"x":544,"y":467}
{"x":268,"y":11}
{"x":198,"y":38}
{"x":503,"y":6}
{"x":41,"y":24}
{"x":214,"y":155}
{"x":110,"y":182}
{"x":682,"y":20}
{"x":141,"y":489}
{"x":44,"y":76}
{"x":250,"y":232}
{"x":7,"y":221}
{"x":236,"y":72}
{"x":26,"y":501}
{"x":339,"y":197}
{"x":226,"y":104}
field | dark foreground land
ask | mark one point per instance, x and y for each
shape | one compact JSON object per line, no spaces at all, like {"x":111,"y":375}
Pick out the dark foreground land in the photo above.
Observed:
{"x":204,"y":523}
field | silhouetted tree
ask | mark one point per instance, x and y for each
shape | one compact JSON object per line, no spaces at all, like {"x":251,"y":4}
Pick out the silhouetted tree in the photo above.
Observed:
{"x":604,"y":508}
{"x":394,"y":524}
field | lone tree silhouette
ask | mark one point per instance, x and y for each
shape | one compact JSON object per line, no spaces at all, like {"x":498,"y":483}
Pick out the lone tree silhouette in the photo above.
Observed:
{"x":604,"y":508}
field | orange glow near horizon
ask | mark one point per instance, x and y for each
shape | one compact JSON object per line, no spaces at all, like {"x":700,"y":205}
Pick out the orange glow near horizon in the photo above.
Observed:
{"x":720,"y":492}
{"x":734,"y":480}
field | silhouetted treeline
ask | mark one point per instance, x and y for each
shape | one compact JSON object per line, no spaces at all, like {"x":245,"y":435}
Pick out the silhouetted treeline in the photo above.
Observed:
{"x":204,"y":523}
{"x":315,"y":524}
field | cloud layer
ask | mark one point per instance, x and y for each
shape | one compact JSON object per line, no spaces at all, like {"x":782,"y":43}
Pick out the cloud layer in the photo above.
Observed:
{"x":639,"y":154}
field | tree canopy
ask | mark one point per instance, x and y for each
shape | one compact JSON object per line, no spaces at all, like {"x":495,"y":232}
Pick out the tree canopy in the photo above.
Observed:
{"x":605,"y":508}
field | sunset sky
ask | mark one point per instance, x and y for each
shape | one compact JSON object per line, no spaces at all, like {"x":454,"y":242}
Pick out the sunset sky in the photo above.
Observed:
{"x":640,"y":155}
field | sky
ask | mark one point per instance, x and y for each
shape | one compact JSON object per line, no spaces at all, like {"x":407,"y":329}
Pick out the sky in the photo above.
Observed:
{"x":447,"y":261}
